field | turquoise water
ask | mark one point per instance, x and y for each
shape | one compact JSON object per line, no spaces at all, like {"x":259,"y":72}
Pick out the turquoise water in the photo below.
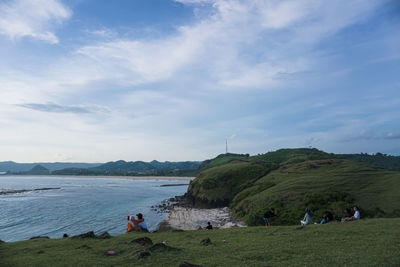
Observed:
{"x":79,"y":206}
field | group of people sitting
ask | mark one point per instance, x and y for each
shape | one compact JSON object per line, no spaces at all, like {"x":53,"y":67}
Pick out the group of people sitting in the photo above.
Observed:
{"x":328,"y":217}
{"x":308,"y":217}
{"x":137,"y":224}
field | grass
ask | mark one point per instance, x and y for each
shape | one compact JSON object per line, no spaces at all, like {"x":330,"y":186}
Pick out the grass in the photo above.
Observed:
{"x":370,"y":242}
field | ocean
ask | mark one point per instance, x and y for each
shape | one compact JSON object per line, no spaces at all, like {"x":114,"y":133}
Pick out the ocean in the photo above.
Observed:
{"x":79,"y":205}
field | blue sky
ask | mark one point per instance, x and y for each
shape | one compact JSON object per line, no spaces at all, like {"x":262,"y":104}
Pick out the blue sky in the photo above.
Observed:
{"x":95,"y":81}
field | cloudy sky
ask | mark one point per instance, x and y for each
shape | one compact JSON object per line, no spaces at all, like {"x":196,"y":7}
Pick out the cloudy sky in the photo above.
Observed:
{"x":95,"y":81}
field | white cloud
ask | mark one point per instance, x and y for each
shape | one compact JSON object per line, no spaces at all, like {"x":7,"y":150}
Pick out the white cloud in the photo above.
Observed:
{"x":241,"y":44}
{"x":158,"y":89}
{"x":32,"y":18}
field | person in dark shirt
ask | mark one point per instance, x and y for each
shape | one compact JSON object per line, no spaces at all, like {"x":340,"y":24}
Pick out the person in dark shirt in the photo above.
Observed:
{"x":270,"y":213}
{"x":328,"y":217}
{"x":209,"y":226}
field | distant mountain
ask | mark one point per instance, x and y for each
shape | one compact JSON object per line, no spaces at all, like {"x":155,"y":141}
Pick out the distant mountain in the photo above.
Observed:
{"x":119,"y":167}
{"x":37,"y":170}
{"x":123,"y":167}
{"x":141,"y":167}
{"x":10,"y":166}
{"x":73,"y":171}
{"x":167,"y":165}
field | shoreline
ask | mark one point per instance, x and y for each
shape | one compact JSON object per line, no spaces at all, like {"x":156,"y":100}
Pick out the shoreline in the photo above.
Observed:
{"x":183,"y":216}
{"x":166,"y":178}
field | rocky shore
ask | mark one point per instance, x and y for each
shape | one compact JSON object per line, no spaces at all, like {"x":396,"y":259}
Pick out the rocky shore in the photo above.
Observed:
{"x":183,"y":216}
{"x":9,"y":192}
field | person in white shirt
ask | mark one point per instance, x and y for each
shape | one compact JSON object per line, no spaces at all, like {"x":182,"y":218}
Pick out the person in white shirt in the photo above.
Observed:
{"x":356,"y":215}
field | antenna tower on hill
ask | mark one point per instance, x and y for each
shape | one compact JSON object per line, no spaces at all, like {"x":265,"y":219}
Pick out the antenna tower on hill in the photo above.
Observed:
{"x":226,"y":146}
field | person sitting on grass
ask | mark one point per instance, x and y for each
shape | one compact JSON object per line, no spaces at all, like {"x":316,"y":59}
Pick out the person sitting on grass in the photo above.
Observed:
{"x":209,"y":226}
{"x":267,"y":216}
{"x":328,"y":217}
{"x":356,"y":215}
{"x":307,"y":217}
{"x":140,"y":223}
{"x":137,"y":225}
{"x":130,"y":224}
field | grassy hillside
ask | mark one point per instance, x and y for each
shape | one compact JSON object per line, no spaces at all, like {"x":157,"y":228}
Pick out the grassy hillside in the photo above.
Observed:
{"x":291,"y":180}
{"x":379,"y":160}
{"x":321,"y":185}
{"x":372,"y":242}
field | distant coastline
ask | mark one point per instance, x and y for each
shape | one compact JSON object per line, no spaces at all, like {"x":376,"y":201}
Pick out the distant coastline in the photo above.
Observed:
{"x":167,"y":178}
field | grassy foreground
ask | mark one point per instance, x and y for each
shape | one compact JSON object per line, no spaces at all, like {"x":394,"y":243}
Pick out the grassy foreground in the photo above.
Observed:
{"x":369,"y":242}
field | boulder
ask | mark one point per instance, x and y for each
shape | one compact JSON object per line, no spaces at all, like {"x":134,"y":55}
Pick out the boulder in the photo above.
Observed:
{"x":143,"y":241}
{"x":206,"y":241}
{"x":85,"y":235}
{"x":187,"y":264}
{"x":158,"y":246}
{"x":143,"y":254}
{"x":164,"y":226}
{"x":36,"y":237}
{"x":84,"y":246}
{"x":105,"y":235}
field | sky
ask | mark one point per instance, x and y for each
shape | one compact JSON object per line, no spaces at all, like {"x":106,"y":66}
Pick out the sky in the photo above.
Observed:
{"x":98,"y":81}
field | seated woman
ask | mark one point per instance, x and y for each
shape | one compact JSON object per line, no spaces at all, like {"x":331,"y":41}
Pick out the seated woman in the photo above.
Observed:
{"x":307,"y":217}
{"x":130,"y":224}
{"x":328,"y":217}
{"x":356,"y":215}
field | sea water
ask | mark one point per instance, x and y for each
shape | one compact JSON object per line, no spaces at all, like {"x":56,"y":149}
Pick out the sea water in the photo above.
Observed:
{"x":79,"y":206}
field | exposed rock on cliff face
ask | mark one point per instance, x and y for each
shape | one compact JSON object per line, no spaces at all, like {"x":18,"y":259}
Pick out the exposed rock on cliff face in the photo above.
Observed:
{"x":203,"y":203}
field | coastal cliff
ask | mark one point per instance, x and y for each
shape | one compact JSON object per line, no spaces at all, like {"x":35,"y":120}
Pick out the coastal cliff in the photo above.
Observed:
{"x":291,"y":180}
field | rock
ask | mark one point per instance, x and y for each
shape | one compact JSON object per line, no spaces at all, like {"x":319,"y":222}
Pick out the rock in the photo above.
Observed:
{"x":143,"y":241}
{"x":206,"y":241}
{"x":84,"y":246}
{"x":187,"y":264}
{"x":158,"y":246}
{"x":40,"y":252}
{"x":65,"y":236}
{"x":105,"y":235}
{"x":85,"y":235}
{"x":143,"y":254}
{"x":36,"y":237}
{"x":164,"y":227}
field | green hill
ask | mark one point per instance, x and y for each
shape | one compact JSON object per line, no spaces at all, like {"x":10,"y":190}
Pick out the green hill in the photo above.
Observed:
{"x":291,"y":180}
{"x":379,"y":160}
{"x":370,"y":242}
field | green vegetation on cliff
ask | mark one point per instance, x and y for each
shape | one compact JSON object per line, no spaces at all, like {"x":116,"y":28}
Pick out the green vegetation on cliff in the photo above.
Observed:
{"x":379,"y":160}
{"x":291,"y":180}
{"x":371,"y":242}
